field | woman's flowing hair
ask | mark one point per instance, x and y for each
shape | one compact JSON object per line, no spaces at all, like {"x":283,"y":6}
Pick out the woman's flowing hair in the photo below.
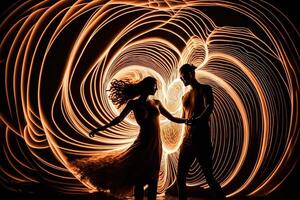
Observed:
{"x":121,"y":91}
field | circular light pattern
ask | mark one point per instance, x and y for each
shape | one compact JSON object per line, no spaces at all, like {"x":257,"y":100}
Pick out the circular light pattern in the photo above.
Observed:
{"x":58,"y":58}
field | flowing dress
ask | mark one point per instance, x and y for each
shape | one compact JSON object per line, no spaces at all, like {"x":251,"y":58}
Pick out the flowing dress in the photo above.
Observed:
{"x":140,"y":163}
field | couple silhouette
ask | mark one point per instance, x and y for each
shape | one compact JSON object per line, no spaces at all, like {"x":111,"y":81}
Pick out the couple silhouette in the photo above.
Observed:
{"x":139,"y":165}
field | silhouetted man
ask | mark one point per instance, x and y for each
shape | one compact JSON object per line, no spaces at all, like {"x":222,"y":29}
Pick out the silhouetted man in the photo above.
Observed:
{"x":197,"y":105}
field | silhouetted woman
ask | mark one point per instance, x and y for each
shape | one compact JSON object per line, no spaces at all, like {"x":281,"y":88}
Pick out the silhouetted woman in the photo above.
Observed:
{"x":139,"y":165}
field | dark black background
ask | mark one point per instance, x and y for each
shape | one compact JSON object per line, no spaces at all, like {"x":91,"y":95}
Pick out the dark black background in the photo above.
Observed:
{"x":290,"y":188}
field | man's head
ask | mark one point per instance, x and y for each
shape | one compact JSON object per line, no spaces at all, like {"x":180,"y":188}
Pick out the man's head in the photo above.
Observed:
{"x":187,"y":73}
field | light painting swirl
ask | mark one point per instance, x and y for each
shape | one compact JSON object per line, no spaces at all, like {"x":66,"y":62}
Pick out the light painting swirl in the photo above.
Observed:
{"x":58,"y":58}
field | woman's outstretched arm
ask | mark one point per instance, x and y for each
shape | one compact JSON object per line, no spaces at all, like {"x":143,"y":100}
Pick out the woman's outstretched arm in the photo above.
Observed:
{"x":168,"y":115}
{"x":115,"y":121}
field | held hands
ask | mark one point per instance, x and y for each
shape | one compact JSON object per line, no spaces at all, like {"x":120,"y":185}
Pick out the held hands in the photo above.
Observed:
{"x":194,"y":118}
{"x":190,"y":121}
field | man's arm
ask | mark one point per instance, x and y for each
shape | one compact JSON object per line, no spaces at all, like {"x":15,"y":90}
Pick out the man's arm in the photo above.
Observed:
{"x":209,"y":101}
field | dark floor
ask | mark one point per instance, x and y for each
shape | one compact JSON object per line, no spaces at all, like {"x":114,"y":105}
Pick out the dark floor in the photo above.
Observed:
{"x":37,"y":192}
{"x":101,"y":196}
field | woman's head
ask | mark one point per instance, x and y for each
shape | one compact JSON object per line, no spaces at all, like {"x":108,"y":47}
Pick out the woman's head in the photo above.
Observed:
{"x":148,"y":86}
{"x":123,"y":90}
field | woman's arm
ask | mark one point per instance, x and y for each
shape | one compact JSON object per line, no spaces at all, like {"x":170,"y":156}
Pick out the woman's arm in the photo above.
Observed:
{"x":115,"y":121}
{"x":168,"y":115}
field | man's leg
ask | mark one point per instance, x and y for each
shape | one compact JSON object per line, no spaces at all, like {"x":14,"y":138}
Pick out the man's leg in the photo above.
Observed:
{"x":138,"y":191}
{"x":186,"y":157}
{"x":211,"y":181}
{"x":152,"y":189}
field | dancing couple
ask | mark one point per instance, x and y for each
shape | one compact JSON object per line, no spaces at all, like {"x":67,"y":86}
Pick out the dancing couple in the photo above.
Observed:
{"x":138,"y":166}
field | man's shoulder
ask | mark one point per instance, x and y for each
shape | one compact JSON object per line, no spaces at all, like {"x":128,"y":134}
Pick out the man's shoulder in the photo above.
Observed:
{"x":187,"y":93}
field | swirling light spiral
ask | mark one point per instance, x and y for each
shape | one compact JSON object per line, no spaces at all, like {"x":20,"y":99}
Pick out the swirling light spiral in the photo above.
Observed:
{"x":58,"y":58}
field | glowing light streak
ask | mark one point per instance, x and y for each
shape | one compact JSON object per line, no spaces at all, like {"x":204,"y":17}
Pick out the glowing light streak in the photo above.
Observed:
{"x":58,"y":58}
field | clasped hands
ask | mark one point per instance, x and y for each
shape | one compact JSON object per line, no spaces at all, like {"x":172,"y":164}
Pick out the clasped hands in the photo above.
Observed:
{"x":190,"y":121}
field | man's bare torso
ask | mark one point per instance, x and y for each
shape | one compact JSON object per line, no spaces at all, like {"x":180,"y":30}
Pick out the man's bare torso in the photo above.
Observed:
{"x":194,"y":104}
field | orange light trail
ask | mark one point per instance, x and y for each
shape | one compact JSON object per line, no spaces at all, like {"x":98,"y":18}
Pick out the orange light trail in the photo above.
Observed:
{"x":57,"y":59}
